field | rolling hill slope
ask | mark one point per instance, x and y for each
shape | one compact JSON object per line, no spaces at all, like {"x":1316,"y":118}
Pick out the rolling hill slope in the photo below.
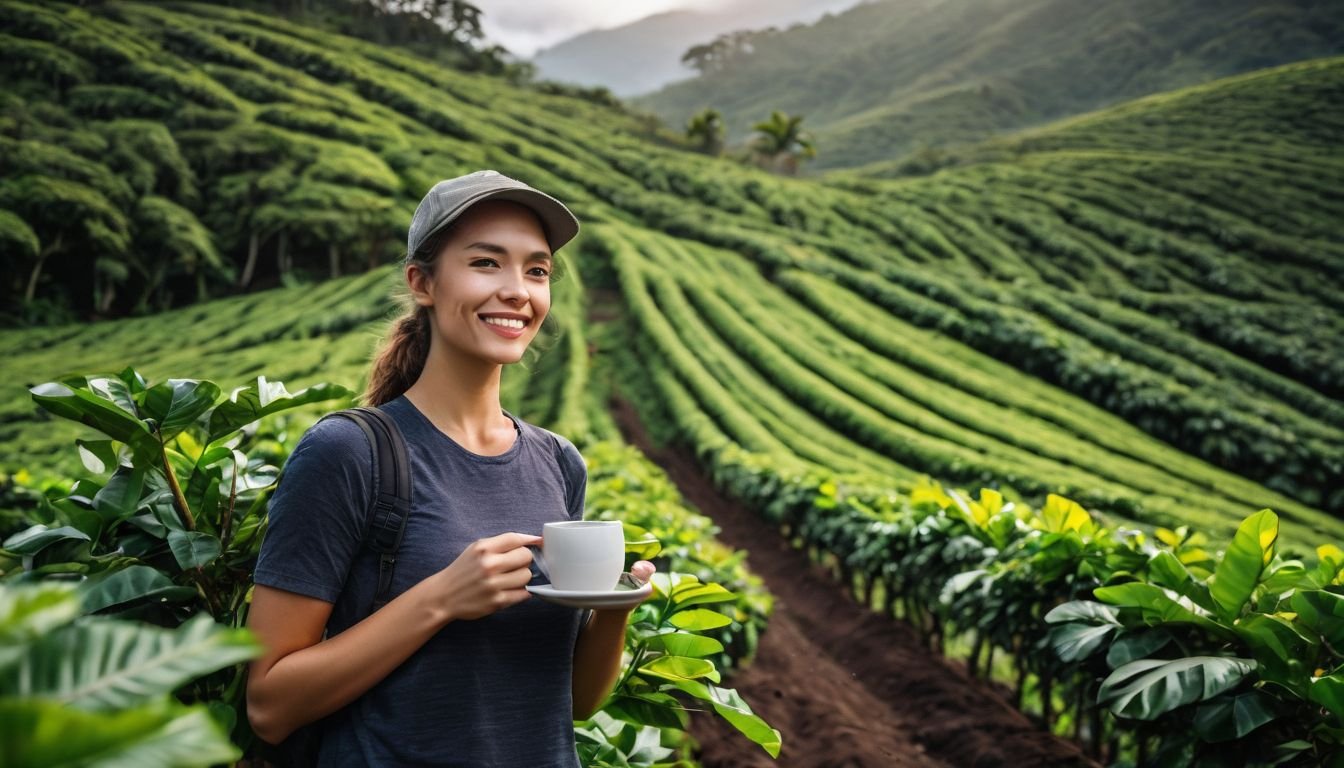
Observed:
{"x":889,"y":78}
{"x":1147,"y":322}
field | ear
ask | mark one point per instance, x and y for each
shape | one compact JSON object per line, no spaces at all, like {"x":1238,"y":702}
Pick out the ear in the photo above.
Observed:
{"x":421,"y":284}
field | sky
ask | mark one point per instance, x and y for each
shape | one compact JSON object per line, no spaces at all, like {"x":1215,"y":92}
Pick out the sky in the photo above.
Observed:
{"x":524,"y":26}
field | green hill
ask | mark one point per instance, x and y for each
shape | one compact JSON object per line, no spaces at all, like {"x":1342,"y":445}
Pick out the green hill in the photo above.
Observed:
{"x":890,"y":78}
{"x":1147,"y":323}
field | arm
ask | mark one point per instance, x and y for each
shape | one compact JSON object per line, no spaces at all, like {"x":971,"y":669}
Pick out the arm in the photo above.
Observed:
{"x":301,"y":678}
{"x":597,"y":654}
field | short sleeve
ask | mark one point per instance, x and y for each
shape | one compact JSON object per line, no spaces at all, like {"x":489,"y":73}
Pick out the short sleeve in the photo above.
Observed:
{"x":575,"y":470}
{"x":317,"y":513}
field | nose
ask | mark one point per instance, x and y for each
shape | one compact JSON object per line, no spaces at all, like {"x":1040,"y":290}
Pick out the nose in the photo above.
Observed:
{"x":513,"y":288}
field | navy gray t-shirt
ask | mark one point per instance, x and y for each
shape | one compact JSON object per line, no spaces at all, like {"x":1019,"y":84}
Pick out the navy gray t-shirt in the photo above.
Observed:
{"x":487,"y":692}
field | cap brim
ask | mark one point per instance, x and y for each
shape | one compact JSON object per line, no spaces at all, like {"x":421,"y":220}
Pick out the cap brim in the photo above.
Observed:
{"x":559,"y":223}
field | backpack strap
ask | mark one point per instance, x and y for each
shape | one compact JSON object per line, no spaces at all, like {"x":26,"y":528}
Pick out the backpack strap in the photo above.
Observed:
{"x":391,"y":504}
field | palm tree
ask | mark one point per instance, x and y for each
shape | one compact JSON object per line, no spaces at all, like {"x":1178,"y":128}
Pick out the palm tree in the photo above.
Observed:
{"x":782,"y":143}
{"x":705,"y":129}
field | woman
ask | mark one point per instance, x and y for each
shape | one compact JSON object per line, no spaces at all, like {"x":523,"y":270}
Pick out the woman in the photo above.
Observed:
{"x":460,"y":667}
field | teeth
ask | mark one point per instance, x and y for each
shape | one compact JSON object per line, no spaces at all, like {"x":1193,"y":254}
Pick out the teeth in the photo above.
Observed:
{"x":504,"y":322}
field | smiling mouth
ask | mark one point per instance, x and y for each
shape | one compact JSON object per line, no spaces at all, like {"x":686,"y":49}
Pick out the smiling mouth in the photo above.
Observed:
{"x":506,"y":322}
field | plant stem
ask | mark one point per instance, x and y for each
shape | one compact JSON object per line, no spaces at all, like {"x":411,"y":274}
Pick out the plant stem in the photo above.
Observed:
{"x":224,"y":532}
{"x":179,"y":500}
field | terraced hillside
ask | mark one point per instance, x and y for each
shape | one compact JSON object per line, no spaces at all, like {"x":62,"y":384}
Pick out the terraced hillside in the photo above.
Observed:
{"x":1147,"y":322}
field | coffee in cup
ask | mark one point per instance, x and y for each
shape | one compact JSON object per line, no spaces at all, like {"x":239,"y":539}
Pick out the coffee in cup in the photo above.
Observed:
{"x":581,"y":555}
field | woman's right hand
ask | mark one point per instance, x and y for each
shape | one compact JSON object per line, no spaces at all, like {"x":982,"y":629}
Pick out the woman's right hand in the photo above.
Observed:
{"x":490,"y":575}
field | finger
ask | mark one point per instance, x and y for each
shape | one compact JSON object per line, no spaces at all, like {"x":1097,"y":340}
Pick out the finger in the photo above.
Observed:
{"x":643,"y":570}
{"x":509,"y":541}
{"x":514,"y":579}
{"x":514,"y":596}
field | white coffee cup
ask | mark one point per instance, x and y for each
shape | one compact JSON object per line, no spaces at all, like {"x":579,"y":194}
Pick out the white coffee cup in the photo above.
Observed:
{"x":581,"y":555}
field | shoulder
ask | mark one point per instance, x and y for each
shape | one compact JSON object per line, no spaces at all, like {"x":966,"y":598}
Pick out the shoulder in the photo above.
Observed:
{"x":334,"y":442}
{"x":566,"y":454}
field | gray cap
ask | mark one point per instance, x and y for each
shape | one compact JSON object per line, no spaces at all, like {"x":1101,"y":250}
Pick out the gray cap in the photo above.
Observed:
{"x":450,"y":197}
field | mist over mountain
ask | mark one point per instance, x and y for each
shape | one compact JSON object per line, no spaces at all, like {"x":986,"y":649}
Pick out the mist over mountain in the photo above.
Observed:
{"x":645,"y":55}
{"x":887,"y":78}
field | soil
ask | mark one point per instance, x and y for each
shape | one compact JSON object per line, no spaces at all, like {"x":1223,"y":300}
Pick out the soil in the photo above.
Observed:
{"x":846,"y":686}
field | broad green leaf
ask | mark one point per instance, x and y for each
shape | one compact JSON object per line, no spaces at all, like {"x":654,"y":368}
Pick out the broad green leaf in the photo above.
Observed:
{"x":1136,"y":645}
{"x":134,"y":382}
{"x":103,"y":415}
{"x":1082,"y":610}
{"x":193,"y":548}
{"x":685,"y":644}
{"x":1328,"y":691}
{"x":1276,"y":643}
{"x":656,"y":709}
{"x":1330,"y":560}
{"x":1233,"y":717}
{"x":107,"y":665}
{"x":1284,"y":576}
{"x":115,"y":390}
{"x":735,"y":710}
{"x":1060,"y":515}
{"x":1321,"y":611}
{"x":176,"y":404}
{"x":97,"y":456}
{"x":1159,"y":605}
{"x":1079,"y":628}
{"x":1148,"y":688}
{"x":701,"y":594}
{"x":681,"y":668}
{"x":1166,"y":570}
{"x":39,"y":537}
{"x":119,"y":498}
{"x":247,"y":404}
{"x":699,"y":620}
{"x":138,"y":582}
{"x":1239,"y":571}
{"x":48,"y":734}
{"x":31,"y":611}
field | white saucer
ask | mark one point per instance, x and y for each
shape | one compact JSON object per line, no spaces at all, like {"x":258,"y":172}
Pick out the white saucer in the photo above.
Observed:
{"x":625,"y":595}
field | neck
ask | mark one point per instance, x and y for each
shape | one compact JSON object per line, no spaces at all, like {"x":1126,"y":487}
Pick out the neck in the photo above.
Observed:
{"x":460,"y":395}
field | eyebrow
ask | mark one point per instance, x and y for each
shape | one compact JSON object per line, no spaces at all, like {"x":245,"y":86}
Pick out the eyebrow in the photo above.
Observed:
{"x":482,"y":245}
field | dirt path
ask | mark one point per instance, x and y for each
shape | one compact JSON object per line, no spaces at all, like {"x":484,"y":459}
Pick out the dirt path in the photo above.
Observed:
{"x":846,"y":686}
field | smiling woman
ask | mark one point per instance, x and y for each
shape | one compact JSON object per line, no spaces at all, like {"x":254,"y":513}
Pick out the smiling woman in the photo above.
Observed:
{"x":460,"y":662}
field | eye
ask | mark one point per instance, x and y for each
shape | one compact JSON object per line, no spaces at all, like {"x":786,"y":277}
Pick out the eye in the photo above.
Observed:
{"x":484,"y":262}
{"x":539,"y":272}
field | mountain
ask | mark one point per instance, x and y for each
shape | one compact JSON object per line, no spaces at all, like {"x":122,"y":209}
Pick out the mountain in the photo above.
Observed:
{"x":646,"y":54}
{"x":887,"y":78}
{"x":1137,"y":309}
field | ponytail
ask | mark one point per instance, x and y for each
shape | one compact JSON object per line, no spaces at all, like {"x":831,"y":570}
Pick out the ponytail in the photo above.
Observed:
{"x":401,"y":358}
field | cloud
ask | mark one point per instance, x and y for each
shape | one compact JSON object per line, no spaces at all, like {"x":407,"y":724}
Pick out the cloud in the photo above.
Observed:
{"x":523,"y":26}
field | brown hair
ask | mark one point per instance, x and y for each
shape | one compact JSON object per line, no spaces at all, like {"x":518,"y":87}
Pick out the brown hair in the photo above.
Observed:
{"x":403,"y":353}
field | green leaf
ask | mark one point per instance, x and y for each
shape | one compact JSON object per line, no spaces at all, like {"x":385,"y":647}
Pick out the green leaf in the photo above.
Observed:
{"x":103,"y":415}
{"x":681,"y":668}
{"x":38,"y":537}
{"x":699,"y":620}
{"x":684,"y":644}
{"x":1159,"y":605}
{"x":1317,"y":609}
{"x":1233,"y":717}
{"x":193,"y":548}
{"x":44,"y":734}
{"x":119,"y":498}
{"x":700,"y":594}
{"x":138,"y":582}
{"x":657,"y":709}
{"x":107,"y":665}
{"x":1166,"y":570}
{"x":1274,"y":643}
{"x":247,"y":404}
{"x":1136,"y":645}
{"x":97,"y":456}
{"x":1148,"y":688}
{"x":1329,"y":693}
{"x":176,"y":404}
{"x":1251,"y":550}
{"x":734,"y":709}
{"x":32,"y":611}
{"x":1080,"y":628}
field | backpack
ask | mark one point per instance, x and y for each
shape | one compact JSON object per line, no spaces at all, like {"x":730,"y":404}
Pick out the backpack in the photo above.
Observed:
{"x":388,"y":510}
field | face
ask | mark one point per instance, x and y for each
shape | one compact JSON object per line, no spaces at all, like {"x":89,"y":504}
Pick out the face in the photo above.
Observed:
{"x":491,"y":283}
